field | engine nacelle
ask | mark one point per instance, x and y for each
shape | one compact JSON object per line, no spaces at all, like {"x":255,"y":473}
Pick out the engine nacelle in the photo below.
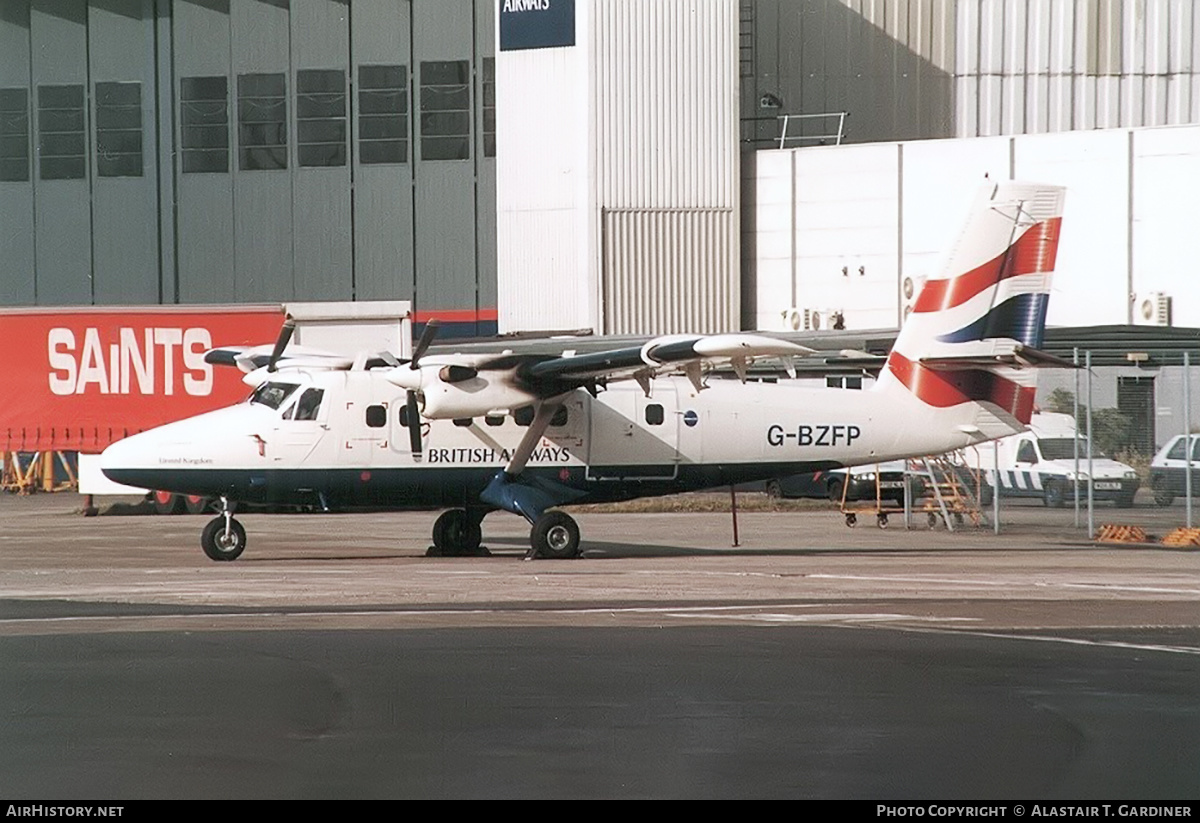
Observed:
{"x":470,"y":398}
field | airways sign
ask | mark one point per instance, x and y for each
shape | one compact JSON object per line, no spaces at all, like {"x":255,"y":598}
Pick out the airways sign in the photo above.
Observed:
{"x":80,"y":379}
{"x":536,"y":24}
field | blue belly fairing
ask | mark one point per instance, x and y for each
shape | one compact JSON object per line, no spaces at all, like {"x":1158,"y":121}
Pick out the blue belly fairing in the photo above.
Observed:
{"x":428,"y":487}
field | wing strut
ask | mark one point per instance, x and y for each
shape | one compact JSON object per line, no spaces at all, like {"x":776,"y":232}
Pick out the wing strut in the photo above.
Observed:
{"x":541,"y":419}
{"x":528,"y":496}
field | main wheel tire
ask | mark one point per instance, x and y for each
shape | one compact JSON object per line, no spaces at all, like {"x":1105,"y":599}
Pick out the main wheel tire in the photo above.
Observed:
{"x":217,"y":545}
{"x":555,"y":535}
{"x":166,"y":502}
{"x":1053,"y":496}
{"x":456,"y":534}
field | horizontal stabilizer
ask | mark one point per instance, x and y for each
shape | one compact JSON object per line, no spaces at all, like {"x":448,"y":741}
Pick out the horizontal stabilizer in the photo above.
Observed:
{"x":1015,"y":355}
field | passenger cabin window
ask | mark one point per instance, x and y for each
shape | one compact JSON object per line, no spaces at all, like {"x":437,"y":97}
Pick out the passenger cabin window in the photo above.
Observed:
{"x":494,"y":420}
{"x":654,"y":414}
{"x":523,"y":415}
{"x":376,"y":416}
{"x":463,"y":422}
{"x":560,"y":417}
{"x":1025,"y":453}
{"x":272,"y":395}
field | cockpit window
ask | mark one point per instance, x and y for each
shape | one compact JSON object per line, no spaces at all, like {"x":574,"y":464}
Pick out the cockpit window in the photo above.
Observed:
{"x":309,"y":404}
{"x":272,"y":395}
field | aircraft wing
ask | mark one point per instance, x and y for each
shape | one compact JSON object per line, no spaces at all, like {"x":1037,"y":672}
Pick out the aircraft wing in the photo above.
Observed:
{"x":662,"y":354}
{"x":252,"y":358}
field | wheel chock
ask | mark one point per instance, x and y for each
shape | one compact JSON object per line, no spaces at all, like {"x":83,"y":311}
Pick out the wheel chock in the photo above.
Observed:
{"x":1111,"y":533}
{"x":1183,"y":538}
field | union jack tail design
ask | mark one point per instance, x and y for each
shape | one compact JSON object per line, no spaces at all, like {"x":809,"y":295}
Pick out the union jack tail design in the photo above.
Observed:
{"x":974,"y":333}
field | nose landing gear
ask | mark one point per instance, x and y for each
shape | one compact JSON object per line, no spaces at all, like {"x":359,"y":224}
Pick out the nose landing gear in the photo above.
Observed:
{"x":223,"y":538}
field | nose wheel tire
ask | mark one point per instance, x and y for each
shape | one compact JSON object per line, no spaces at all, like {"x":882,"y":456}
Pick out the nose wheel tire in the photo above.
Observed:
{"x":221,"y":546}
{"x":555,"y":535}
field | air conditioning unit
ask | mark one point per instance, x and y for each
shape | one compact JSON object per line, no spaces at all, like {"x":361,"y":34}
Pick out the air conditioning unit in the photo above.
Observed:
{"x":796,"y":319}
{"x":909,"y":289}
{"x":1152,"y":308}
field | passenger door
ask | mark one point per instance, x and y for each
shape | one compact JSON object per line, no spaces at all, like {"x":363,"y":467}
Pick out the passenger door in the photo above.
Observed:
{"x":634,"y":436}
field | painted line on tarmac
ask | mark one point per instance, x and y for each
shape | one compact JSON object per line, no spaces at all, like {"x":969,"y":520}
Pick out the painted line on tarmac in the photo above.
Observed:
{"x":1070,"y":641}
{"x":732,"y":612}
{"x":1007,"y":583}
{"x":844,"y":617}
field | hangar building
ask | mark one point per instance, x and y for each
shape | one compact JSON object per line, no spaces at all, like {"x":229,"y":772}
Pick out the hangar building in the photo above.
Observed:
{"x":614,"y":165}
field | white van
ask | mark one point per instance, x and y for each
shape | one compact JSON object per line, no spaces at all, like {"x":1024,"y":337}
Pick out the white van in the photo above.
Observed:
{"x":1040,"y":463}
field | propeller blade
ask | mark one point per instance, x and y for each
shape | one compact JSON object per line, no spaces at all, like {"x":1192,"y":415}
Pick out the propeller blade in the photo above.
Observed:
{"x":430,"y":332}
{"x":285,"y":337}
{"x":414,"y":425}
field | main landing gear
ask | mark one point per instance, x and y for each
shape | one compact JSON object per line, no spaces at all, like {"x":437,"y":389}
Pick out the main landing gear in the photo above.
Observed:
{"x":223,"y":538}
{"x":554,"y":535}
{"x":458,"y":533}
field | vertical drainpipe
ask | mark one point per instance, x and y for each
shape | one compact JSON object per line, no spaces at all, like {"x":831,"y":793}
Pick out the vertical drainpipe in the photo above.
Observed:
{"x":791,"y":226}
{"x":1129,"y":235}
{"x":899,"y":235}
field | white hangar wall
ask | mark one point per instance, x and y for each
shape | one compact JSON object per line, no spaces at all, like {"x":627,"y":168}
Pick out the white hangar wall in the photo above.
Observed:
{"x":968,"y":68}
{"x":617,"y":169}
{"x":840,"y":229}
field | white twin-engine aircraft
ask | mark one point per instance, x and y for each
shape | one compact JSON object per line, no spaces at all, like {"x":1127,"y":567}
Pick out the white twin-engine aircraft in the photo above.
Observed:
{"x":526,"y":433}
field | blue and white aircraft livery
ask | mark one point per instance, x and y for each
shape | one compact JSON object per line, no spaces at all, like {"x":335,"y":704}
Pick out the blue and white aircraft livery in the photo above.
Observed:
{"x":526,"y":433}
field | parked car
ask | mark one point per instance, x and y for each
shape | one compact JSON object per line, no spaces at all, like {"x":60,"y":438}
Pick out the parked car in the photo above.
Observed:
{"x":1167,"y":469}
{"x":861,"y":479}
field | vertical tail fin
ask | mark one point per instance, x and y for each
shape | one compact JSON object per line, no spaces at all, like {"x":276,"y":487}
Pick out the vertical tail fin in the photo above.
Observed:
{"x":966,"y":338}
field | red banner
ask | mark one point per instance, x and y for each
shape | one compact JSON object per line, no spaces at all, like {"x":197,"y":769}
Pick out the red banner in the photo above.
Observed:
{"x":79,"y":379}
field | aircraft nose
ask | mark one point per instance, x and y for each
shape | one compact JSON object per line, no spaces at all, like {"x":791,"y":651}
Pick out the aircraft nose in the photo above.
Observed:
{"x":131,"y":453}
